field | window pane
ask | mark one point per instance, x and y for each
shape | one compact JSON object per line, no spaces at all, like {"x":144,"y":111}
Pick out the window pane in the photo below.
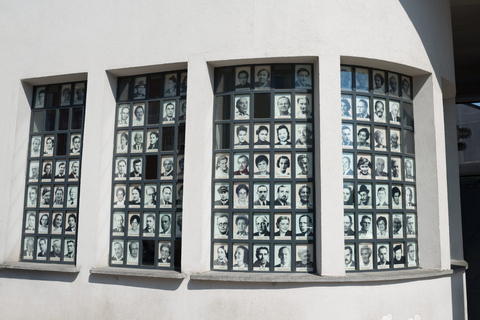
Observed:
{"x":224,"y":80}
{"x":222,"y":107}
{"x":283,"y":77}
{"x":61,"y":144}
{"x":50,"y":120}
{"x":153,"y":112}
{"x":63,"y":119}
{"x":222,"y":136}
{"x":123,"y":88}
{"x":155,"y":86}
{"x":77,"y":118}
{"x":408,"y":114}
{"x":52,"y":96}
{"x":262,"y":105}
{"x":151,"y":167}
{"x":168,"y":136}
{"x":37,"y":121}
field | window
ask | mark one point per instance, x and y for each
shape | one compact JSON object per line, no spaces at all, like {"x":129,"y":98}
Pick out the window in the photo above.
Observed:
{"x":148,"y":166}
{"x":53,"y":173}
{"x":263,"y":190}
{"x":380,"y":218}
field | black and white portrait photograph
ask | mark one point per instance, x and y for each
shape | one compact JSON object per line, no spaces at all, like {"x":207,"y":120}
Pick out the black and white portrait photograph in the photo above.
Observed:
{"x":30,"y":220}
{"x":262,"y":168}
{"x":241,"y":136}
{"x":411,"y":254}
{"x":72,"y":196}
{"x":117,"y":252}
{"x":169,"y":111}
{"x":79,"y":93}
{"x":222,"y":226}
{"x":180,"y":165}
{"x":49,"y":143}
{"x":42,"y":249}
{"x":347,"y":138}
{"x":283,"y":226}
{"x":393,"y":84}
{"x":28,"y":248}
{"x":75,"y":144}
{"x":382,"y":196}
{"x":346,"y":78}
{"x":283,"y":196}
{"x":364,"y":166}
{"x":167,"y":169}
{"x":182,"y":112}
{"x":304,"y":195}
{"x":71,"y":225}
{"x":60,"y":170}
{"x":140,"y":88}
{"x":135,"y":195}
{"x":46,"y":195}
{"x":361,"y":77}
{"x":170,"y":85}
{"x":303,"y":76}
{"x":165,"y":225}
{"x":243,"y":78}
{"x":123,"y":115}
{"x":397,"y":196}
{"x":166,"y":195}
{"x":397,"y":226}
{"x":241,"y":166}
{"x":222,"y":195}
{"x":346,"y":106}
{"x":262,"y":137}
{"x":411,"y":225}
{"x":120,"y":168}
{"x":220,"y":256}
{"x":304,"y":165}
{"x":383,"y":256}
{"x":383,"y":226}
{"x":347,"y":165}
{"x":283,"y":137}
{"x":240,"y":227}
{"x":149,"y":224}
{"x":304,"y":135}
{"x":398,"y":255}
{"x":283,"y":257}
{"x":35,"y":146}
{"x":57,"y":222}
{"x":43,"y":222}
{"x":396,"y":168}
{"x":366,"y":256}
{"x":164,"y":254}
{"x":241,"y":257}
{"x":304,"y":226}
{"x":363,"y":137}
{"x":132,"y":252}
{"x":40,"y":97}
{"x":365,"y":195}
{"x":153,"y":137}
{"x":406,"y":90}
{"x":55,"y":253}
{"x":394,"y":116}
{"x":240,"y":197}
{"x":261,"y":226}
{"x":74,"y":171}
{"x":183,"y":83}
{"x":47,"y":170}
{"x":395,"y":140}
{"x":378,"y":82}
{"x":138,"y":114}
{"x":379,"y":138}
{"x":349,"y":225}
{"x":349,"y":256}
{"x":120,"y":195}
{"x":409,"y":169}
{"x":363,"y":108}
{"x":365,"y":226}
{"x":33,"y":171}
{"x":262,"y":77}
{"x":379,"y":112}
{"x":303,"y":106}
{"x":221,"y":166}
{"x":348,"y":195}
{"x":261,"y":257}
{"x":410,"y":201}
{"x":179,"y":193}
{"x":59,"y":196}
{"x":261,"y":196}
{"x":242,"y":107}
{"x":134,"y":224}
{"x":137,"y":141}
{"x":283,"y":103}
{"x":304,"y":259}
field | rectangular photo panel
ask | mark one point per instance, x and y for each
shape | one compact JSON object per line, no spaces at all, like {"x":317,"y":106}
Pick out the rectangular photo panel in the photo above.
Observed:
{"x":72,"y":196}
{"x":283,"y":193}
{"x":138,"y":114}
{"x":164,"y":254}
{"x":241,"y":136}
{"x":170,"y":89}
{"x":165,"y":228}
{"x":381,"y":167}
{"x":166,"y":195}
{"x":346,"y":78}
{"x":222,"y":195}
{"x":71,"y":225}
{"x":393,"y":84}
{"x":410,"y":200}
{"x":75,"y":144}
{"x":398,"y":225}
{"x":122,"y":141}
{"x":220,"y":256}
{"x":55,"y":249}
{"x":383,"y":255}
{"x":47,"y":170}
{"x":133,"y":250}
{"x":240,"y":197}
{"x":282,"y":165}
{"x":149,"y":224}
{"x":283,"y":226}
{"x":241,"y":257}
{"x":363,"y":137}
{"x":221,"y":225}
{"x":153,"y":137}
{"x":364,"y":195}
{"x":412,"y":260}
{"x":134,"y":224}
{"x":182,"y":112}
{"x":379,"y":112}
{"x":304,"y":226}
{"x":261,"y":257}
{"x":411,"y":225}
{"x":395,"y":114}
{"x":365,"y":226}
{"x":347,"y":139}
{"x":383,"y":226}
{"x":378,"y":82}
{"x":396,"y":168}
{"x":42,"y":252}
{"x":379,"y":138}
{"x":46,"y":199}
{"x":74,"y":172}
{"x":262,"y":77}
{"x":39,"y":98}
{"x":366,"y":256}
{"x":33,"y":171}
{"x":304,"y":195}
{"x":304,"y":135}
{"x":346,"y":106}
{"x":48,"y":146}
{"x":178,"y":224}
{"x":361,"y":77}
{"x":363,"y":108}
{"x":120,"y":195}
{"x":79,"y":93}
{"x":183,"y":83}
{"x":221,"y":166}
{"x":262,"y":167}
{"x":60,"y":169}
{"x":261,"y":226}
{"x":242,"y":78}
{"x":303,"y":106}
{"x":395,"y":140}
{"x":364,"y":166}
{"x":180,"y":165}
{"x":303,"y":76}
{"x":348,"y":195}
{"x":28,"y":248}
{"x":169,"y":108}
{"x":382,"y":196}
{"x":349,"y":225}
{"x":349,"y":256}
{"x":117,"y":251}
{"x":304,"y":165}
{"x":120,"y":168}
{"x":262,"y":195}
{"x":118,"y":224}
{"x":241,"y":165}
{"x":406,"y":88}
{"x":242,"y":107}
{"x":283,"y":257}
{"x":135,"y":195}
{"x":167,"y":169}
{"x":123,"y":115}
{"x":150,"y":200}
{"x":59,"y":195}
{"x":262,"y":139}
{"x":137,"y":141}
{"x":140,"y":88}
{"x":397,"y":196}
{"x":409,"y":169}
{"x":283,"y":106}
{"x":57,"y":222}
{"x":69,"y":249}
{"x":179,"y":195}
{"x":241,"y":226}
{"x":30,"y":220}
{"x":398,"y":255}
{"x":136,"y":168}
{"x":305,"y":258}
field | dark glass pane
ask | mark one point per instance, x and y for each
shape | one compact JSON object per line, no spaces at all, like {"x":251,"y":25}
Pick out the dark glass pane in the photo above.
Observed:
{"x":408,"y":142}
{"x":181,"y":138}
{"x":77,"y":118}
{"x":224,"y":81}
{"x":63,"y":119}
{"x":222,"y":107}
{"x":151,"y":167}
{"x":50,"y":120}
{"x":123,"y":89}
{"x":61,"y":144}
{"x":37,"y":121}
{"x":153,"y":114}
{"x":283,"y":77}
{"x":168,"y":135}
{"x":52,"y":96}
{"x":178,"y":253}
{"x":222,"y":136}
{"x":148,"y":252}
{"x":261,"y":105}
{"x":408,"y":114}
{"x":155,"y":86}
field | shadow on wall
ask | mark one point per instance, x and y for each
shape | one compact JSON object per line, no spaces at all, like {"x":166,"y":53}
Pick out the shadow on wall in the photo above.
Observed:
{"x":38,"y":276}
{"x":138,"y":282}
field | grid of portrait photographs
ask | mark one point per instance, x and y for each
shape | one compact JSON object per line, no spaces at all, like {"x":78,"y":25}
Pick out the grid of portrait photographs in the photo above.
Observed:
{"x":263,"y":187}
{"x":379,"y":190}
{"x":50,"y":217}
{"x":148,"y":162}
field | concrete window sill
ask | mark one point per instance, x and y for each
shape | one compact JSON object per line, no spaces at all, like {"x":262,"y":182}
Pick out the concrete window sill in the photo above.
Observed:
{"x":43,"y":267}
{"x":131,"y":272}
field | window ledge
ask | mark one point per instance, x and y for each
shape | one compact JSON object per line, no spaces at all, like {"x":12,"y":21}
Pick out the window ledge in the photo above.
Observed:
{"x":48,"y":267}
{"x":131,"y":272}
